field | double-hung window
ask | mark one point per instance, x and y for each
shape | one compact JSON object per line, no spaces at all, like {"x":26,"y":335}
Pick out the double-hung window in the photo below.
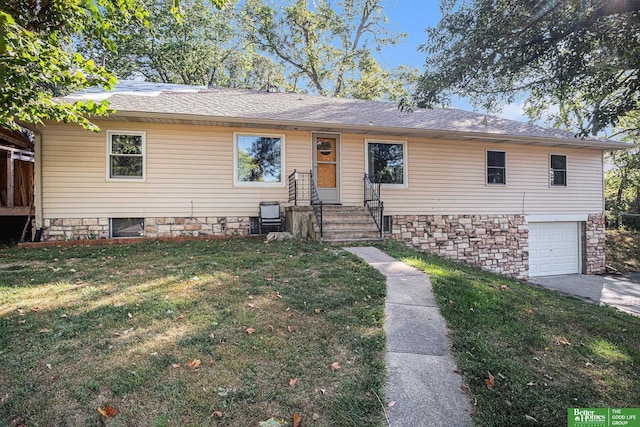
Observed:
{"x":259,"y":159}
{"x":496,"y":167}
{"x":558,"y":170}
{"x":387,"y":162}
{"x":126,"y":155}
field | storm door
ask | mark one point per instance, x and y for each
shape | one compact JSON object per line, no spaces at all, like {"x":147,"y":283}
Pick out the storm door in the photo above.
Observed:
{"x":326,"y":166}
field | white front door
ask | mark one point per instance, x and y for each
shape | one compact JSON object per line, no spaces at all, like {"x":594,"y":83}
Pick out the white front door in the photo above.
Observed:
{"x":554,"y":248}
{"x":326,"y":166}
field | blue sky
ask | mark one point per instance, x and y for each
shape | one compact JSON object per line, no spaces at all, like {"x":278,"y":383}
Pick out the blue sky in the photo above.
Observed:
{"x":413,"y":17}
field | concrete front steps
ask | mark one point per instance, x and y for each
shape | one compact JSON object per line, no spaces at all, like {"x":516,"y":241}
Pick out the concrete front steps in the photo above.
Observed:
{"x":342,"y":224}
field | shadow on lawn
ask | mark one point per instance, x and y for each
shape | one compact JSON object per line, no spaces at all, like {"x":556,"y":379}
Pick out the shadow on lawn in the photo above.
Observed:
{"x":122,"y":328}
{"x":546,"y":352}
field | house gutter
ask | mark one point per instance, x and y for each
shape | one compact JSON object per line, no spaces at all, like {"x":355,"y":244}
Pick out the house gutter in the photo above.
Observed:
{"x":604,"y":145}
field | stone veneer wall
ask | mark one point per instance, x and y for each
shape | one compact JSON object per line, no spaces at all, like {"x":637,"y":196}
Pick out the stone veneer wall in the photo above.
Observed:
{"x":497,"y":243}
{"x":84,"y":228}
{"x":594,"y":244}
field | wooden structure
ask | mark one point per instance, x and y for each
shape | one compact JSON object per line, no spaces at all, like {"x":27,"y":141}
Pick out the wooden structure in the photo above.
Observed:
{"x":16,"y":174}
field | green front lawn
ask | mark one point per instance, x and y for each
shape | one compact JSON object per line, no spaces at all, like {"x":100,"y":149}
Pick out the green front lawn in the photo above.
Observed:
{"x":190,"y":334}
{"x":237,"y":332}
{"x":546,"y":352}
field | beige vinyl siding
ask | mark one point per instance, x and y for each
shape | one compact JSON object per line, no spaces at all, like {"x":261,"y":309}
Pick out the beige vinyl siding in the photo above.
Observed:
{"x":448,"y":177}
{"x":186,"y":164}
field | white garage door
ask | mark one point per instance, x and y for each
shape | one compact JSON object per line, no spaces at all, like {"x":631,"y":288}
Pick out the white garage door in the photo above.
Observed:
{"x":553,"y":248}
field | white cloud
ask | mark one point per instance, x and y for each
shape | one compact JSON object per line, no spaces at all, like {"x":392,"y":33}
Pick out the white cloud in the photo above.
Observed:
{"x":514,"y":111}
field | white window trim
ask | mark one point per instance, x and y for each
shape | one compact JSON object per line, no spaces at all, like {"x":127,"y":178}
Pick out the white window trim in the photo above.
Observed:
{"x":486,"y":169}
{"x":143,"y":178}
{"x":566,"y":171}
{"x":405,"y":161}
{"x":283,"y":150}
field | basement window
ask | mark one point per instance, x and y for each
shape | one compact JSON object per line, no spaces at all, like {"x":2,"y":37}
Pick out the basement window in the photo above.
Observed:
{"x":126,"y":227}
{"x":387,"y":222}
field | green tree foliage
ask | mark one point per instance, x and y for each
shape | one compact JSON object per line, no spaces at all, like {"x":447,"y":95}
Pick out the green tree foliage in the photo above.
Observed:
{"x":582,"y":56}
{"x":622,"y":179}
{"x":327,"y":46}
{"x":203,"y":47}
{"x":37,"y":61}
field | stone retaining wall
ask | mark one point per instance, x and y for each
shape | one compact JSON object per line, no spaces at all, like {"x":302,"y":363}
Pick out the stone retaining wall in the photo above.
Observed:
{"x":594,"y":244}
{"x":98,"y":228}
{"x":497,"y":243}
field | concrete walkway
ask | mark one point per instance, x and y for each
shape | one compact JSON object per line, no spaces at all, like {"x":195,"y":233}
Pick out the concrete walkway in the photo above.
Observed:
{"x":422,"y":381}
{"x":621,"y":292}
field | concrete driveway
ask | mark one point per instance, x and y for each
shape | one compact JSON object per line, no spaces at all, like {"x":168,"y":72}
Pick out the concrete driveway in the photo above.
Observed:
{"x":619,"y":291}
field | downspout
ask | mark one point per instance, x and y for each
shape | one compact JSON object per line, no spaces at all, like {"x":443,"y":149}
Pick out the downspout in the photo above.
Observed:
{"x":37,"y":174}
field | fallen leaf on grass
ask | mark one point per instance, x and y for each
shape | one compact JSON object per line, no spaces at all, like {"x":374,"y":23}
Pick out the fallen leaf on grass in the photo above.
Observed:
{"x":291,"y":328}
{"x":130,"y":315}
{"x":195,"y":363}
{"x":531,"y":384}
{"x":271,"y":328}
{"x":297,"y":419}
{"x":250,"y":331}
{"x":530,"y":418}
{"x":175,"y":365}
{"x":108,"y":411}
{"x":180,"y":317}
{"x":35,"y":309}
{"x":315,"y":417}
{"x":251,"y":306}
{"x":504,"y":287}
{"x":530,"y":312}
{"x":451,"y":302}
{"x":317,"y":311}
{"x":564,"y":341}
{"x":464,"y":386}
{"x":17,"y":422}
{"x":293,"y":382}
{"x":212,"y":362}
{"x":218,"y":414}
{"x":43,"y":331}
{"x":48,"y":365}
{"x":335,"y":366}
{"x":22,"y":322}
{"x":489,"y":381}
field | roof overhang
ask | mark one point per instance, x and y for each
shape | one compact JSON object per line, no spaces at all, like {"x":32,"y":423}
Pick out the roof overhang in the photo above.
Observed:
{"x":245,"y":122}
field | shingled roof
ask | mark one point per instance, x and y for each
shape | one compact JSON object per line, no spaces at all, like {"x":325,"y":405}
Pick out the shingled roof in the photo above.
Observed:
{"x":142,"y":101}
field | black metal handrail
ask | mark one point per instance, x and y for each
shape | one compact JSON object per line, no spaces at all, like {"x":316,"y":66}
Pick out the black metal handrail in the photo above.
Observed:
{"x":316,"y":202}
{"x":373,"y":202}
{"x":300,"y":187}
{"x":303,"y":190}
